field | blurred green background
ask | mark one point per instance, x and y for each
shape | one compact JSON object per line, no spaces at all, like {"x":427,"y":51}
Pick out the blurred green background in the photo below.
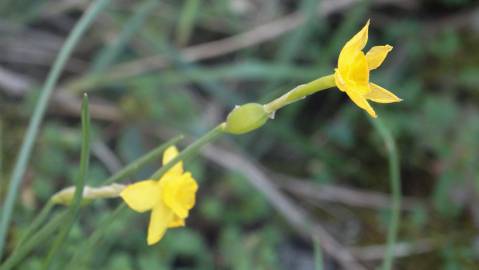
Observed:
{"x":157,"y":68}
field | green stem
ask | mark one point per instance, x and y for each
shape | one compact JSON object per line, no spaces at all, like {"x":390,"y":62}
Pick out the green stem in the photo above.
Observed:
{"x":39,"y":112}
{"x":37,"y":222}
{"x":395,"y":183}
{"x":190,"y":150}
{"x":74,"y":208}
{"x":300,"y":92}
{"x":140,"y":162}
{"x":40,"y":237}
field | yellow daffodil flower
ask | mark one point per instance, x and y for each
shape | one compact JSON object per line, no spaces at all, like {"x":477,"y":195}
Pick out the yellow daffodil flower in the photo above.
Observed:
{"x":352,"y":74}
{"x":169,"y":199}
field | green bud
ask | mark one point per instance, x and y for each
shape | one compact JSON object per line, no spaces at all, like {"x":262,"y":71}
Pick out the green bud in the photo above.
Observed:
{"x":246,"y":118}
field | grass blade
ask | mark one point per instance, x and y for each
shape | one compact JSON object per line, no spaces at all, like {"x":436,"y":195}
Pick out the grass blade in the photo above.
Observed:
{"x":74,"y":208}
{"x":39,"y":112}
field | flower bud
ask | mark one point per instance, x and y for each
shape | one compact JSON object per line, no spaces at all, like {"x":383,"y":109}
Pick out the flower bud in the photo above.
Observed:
{"x":246,"y":118}
{"x":65,"y":196}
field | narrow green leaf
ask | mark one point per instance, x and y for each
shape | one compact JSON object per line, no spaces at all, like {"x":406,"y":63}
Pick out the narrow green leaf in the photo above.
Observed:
{"x":39,"y":112}
{"x":74,"y":208}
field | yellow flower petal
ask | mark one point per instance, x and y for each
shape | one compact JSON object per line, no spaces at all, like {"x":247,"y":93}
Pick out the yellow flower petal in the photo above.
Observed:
{"x":344,"y":60}
{"x":376,"y":55}
{"x":169,"y":154}
{"x":179,"y":193}
{"x":176,"y":222}
{"x":381,"y":95}
{"x":351,"y":47}
{"x":358,"y":72}
{"x":160,"y":217}
{"x":362,"y":103}
{"x":358,"y":41}
{"x":141,"y":196}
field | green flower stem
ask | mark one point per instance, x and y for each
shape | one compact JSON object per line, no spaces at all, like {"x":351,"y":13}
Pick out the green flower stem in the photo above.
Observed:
{"x":191,"y":149}
{"x":74,"y":208}
{"x":38,"y":238}
{"x":395,"y":182}
{"x":25,"y":151}
{"x":395,"y":208}
{"x":37,"y":222}
{"x":300,"y":92}
{"x":140,"y":162}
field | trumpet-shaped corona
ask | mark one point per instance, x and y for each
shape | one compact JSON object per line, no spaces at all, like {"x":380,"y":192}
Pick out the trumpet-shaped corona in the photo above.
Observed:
{"x":169,"y":199}
{"x":352,"y":74}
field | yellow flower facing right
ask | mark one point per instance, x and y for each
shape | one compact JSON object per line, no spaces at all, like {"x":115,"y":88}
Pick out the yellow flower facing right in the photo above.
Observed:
{"x":169,"y":199}
{"x":352,"y":74}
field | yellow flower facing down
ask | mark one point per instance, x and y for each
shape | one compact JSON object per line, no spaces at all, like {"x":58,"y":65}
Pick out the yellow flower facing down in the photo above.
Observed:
{"x":169,"y":199}
{"x":352,"y":74}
